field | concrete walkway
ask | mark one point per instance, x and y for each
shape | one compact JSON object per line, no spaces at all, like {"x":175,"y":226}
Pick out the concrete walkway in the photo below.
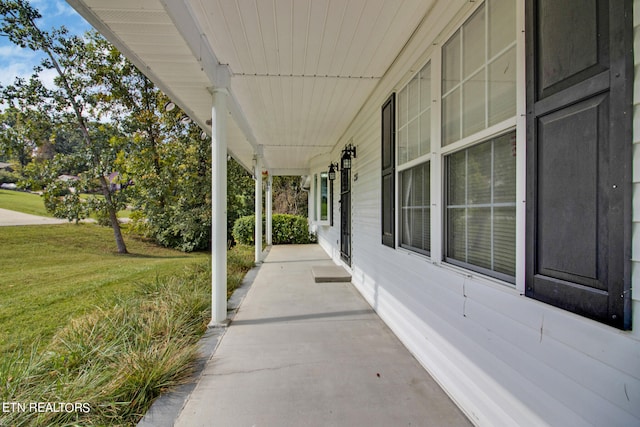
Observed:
{"x":8,"y":218}
{"x":300,"y":353}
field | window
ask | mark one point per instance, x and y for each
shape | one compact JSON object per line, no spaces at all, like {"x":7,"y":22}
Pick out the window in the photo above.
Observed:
{"x":315,"y":197}
{"x":479,"y":72}
{"x":481,"y":208}
{"x":471,"y":167}
{"x":478,"y":84}
{"x":321,"y":191}
{"x":324,"y":197}
{"x":414,"y":155}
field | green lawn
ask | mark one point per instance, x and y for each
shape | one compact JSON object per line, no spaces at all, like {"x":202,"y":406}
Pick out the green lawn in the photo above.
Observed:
{"x":50,"y":274}
{"x":23,"y":202}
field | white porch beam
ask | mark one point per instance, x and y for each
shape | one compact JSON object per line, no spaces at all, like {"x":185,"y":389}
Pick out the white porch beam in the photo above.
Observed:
{"x":219,"y":114}
{"x":182,"y":16}
{"x":289,"y":172}
{"x":269,"y":210}
{"x":258,"y":207}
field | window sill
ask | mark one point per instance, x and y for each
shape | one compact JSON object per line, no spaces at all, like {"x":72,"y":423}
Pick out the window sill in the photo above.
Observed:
{"x":479,"y":277}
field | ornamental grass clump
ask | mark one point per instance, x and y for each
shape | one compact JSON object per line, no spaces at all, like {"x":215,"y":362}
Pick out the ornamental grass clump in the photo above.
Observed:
{"x":106,"y":367}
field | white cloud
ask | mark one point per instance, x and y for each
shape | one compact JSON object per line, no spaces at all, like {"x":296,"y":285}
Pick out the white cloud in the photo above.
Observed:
{"x":11,"y":71}
{"x":12,"y":52}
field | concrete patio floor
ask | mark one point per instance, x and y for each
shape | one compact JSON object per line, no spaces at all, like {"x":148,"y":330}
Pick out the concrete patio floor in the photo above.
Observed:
{"x":300,"y":353}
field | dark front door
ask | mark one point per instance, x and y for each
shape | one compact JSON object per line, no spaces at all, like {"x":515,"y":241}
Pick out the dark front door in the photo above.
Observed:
{"x":579,"y":86}
{"x":345,"y":215}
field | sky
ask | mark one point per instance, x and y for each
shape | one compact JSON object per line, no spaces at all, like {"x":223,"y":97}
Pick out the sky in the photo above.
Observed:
{"x":17,"y":62}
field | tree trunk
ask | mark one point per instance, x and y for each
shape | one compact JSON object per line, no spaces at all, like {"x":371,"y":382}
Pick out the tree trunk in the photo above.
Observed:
{"x":113,"y":218}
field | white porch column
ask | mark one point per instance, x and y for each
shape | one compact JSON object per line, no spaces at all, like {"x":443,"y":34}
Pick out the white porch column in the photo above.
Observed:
{"x":258,"y":205}
{"x":219,"y":209}
{"x":269,"y":209}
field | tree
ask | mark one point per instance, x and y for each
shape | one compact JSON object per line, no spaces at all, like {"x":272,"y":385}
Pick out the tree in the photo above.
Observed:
{"x":288,"y":196}
{"x":22,"y":132}
{"x":75,"y":98}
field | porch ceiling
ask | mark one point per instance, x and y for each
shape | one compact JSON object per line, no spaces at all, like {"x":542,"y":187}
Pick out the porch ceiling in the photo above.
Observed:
{"x":297,"y":71}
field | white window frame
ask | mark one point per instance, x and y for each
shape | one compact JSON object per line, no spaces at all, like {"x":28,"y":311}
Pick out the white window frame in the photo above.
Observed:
{"x":317,"y":198}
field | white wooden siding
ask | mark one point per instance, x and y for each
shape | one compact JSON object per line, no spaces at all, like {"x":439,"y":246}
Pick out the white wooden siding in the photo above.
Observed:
{"x":504,"y":358}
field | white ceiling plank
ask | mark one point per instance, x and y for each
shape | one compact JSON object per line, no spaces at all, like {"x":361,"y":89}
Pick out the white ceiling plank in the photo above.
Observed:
{"x":315,"y":33}
{"x":300,"y":33}
{"x":283,"y":21}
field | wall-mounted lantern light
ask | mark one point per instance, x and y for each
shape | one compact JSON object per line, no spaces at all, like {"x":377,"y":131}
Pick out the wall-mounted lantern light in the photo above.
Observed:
{"x":347,"y":153}
{"x":333,"y":167}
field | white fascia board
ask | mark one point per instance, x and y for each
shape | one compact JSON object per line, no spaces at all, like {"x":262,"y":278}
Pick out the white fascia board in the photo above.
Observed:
{"x":103,"y":29}
{"x":241,"y":121}
{"x":114,"y":39}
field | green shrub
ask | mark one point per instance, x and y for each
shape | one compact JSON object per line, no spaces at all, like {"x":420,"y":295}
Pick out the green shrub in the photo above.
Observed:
{"x":287,"y":229}
{"x":7,"y":177}
{"x":243,"y":230}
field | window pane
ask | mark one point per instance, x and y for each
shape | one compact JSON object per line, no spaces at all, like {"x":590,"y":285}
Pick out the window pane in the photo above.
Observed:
{"x":451,"y":117}
{"x":481,"y":205}
{"x":504,"y":240}
{"x":473,"y":47}
{"x":416,"y":228}
{"x":414,"y":131}
{"x":504,"y":170}
{"x":456,"y":179}
{"x":474,"y":104}
{"x":479,"y":237}
{"x":478,"y":88}
{"x":457,"y":233}
{"x":425,"y":132}
{"x":451,"y":63}
{"x":315,"y":193}
{"x":403,"y":150}
{"x":502,"y":28}
{"x":425,"y":105}
{"x":324,"y":197}
{"x":502,"y":87}
{"x":415,"y":200}
{"x":402,"y":107}
{"x":414,"y":139}
{"x":414,"y":98}
{"x":425,"y":87}
{"x":479,"y":174}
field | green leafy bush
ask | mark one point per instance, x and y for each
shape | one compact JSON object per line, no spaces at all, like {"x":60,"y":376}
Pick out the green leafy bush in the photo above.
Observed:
{"x":287,"y":229}
{"x":8,"y":177}
{"x":243,"y":230}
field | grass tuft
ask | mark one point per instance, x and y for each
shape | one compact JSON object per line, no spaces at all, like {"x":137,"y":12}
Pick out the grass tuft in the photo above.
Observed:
{"x":116,"y":360}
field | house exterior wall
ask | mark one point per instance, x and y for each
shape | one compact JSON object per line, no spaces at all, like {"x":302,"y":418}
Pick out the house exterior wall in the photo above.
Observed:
{"x":504,"y":358}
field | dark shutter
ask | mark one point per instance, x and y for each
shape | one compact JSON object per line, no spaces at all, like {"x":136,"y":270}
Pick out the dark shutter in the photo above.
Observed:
{"x":579,"y":86}
{"x":388,"y":171}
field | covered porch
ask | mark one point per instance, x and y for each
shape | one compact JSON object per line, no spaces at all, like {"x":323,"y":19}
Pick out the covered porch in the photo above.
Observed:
{"x":275,"y":84}
{"x":301,"y":353}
